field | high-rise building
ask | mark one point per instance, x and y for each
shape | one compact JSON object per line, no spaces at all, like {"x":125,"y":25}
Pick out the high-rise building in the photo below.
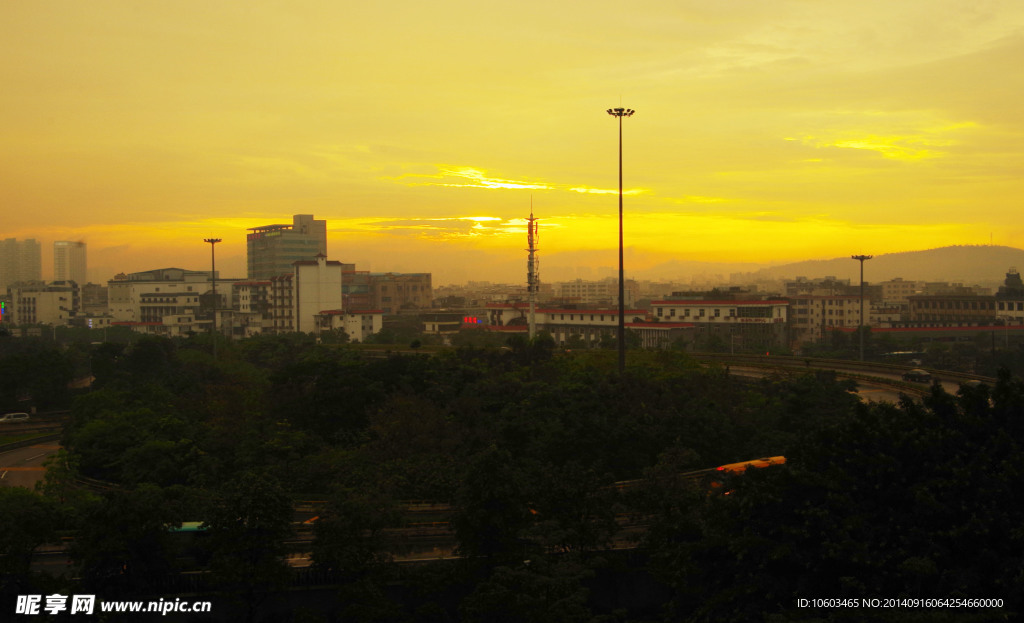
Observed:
{"x":272,"y":249}
{"x":20,"y":262}
{"x":69,"y":262}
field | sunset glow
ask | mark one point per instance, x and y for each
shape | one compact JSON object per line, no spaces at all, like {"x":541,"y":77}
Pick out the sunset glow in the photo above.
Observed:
{"x":764,"y":132}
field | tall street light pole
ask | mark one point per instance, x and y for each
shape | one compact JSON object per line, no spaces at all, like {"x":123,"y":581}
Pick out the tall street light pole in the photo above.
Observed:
{"x":620,"y":113}
{"x":213,"y":280}
{"x":860,"y":329}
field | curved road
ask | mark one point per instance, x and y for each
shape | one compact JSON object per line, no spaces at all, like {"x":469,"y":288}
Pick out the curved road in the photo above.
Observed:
{"x":23,"y":467}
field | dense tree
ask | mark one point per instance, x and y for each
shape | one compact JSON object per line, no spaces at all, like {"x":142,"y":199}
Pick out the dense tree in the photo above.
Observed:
{"x":247,"y":523}
{"x":29,"y":520}
{"x":544,"y":591}
{"x":492,"y":509}
{"x":34,"y":374}
{"x":573,"y":508}
{"x":915,"y":500}
{"x":351,"y":534}
{"x":123,"y":541}
{"x":526,"y":441}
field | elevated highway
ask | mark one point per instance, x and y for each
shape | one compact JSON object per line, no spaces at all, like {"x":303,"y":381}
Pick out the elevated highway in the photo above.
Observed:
{"x":878,"y":381}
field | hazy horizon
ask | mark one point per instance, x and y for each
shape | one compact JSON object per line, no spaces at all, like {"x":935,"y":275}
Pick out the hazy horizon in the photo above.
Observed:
{"x":422,"y":134}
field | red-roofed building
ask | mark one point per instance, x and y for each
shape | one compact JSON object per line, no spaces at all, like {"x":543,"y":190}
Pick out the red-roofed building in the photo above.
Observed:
{"x":591,"y":326}
{"x":737,"y":324}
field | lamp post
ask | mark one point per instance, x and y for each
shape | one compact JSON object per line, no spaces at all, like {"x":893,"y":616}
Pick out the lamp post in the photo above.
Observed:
{"x":620,"y":113}
{"x":213,"y":280}
{"x":860,"y":328}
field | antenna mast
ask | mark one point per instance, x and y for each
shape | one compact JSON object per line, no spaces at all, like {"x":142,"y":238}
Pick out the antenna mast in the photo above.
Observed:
{"x":532,"y":269}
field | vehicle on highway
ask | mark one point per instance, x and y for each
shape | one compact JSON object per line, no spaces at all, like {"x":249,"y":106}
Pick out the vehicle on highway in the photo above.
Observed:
{"x":739,"y":468}
{"x":13,"y":418}
{"x":917,"y":375}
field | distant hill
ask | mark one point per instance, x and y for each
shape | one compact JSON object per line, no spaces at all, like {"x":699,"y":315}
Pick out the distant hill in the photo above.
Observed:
{"x":959,"y":264}
{"x":970,"y":265}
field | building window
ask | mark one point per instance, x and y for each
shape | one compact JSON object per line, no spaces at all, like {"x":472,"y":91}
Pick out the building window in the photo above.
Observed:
{"x":718,"y":313}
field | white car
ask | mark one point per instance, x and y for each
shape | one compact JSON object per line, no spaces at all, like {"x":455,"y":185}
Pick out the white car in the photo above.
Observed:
{"x":13,"y":418}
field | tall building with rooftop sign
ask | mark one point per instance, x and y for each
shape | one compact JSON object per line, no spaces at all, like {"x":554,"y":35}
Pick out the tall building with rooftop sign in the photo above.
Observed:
{"x":272,"y":249}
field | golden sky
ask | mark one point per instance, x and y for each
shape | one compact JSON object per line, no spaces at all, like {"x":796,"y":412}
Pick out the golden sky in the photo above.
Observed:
{"x":764,"y":132}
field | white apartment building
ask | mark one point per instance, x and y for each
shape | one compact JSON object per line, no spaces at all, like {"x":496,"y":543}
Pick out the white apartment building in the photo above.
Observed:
{"x":317,"y":287}
{"x":149,"y":296}
{"x":758,"y":325}
{"x":721,"y":311}
{"x":309,"y":300}
{"x":813,"y":315}
{"x":359,"y":325}
{"x":899,"y":291}
{"x":605,"y":291}
{"x":590,"y":325}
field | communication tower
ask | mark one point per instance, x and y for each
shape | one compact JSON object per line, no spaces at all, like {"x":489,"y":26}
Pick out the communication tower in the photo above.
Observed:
{"x":532,"y":268}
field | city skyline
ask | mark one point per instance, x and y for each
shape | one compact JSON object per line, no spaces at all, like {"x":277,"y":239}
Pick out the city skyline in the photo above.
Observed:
{"x":420,"y":133}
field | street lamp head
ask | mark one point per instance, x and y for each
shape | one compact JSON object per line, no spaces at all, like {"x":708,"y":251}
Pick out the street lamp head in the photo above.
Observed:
{"x":861,"y":257}
{"x":621,"y":112}
{"x":211,"y":240}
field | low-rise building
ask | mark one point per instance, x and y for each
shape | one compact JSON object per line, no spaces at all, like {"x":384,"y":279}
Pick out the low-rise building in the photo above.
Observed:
{"x":746,"y":324}
{"x":392,"y":292}
{"x":952,"y":310}
{"x":40,"y":303}
{"x":594,"y":293}
{"x":252,"y":302}
{"x":589,"y":325}
{"x":898,"y":291}
{"x":145,"y":296}
{"x":813,"y":315}
{"x":1010,"y":299}
{"x":357,"y":324}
